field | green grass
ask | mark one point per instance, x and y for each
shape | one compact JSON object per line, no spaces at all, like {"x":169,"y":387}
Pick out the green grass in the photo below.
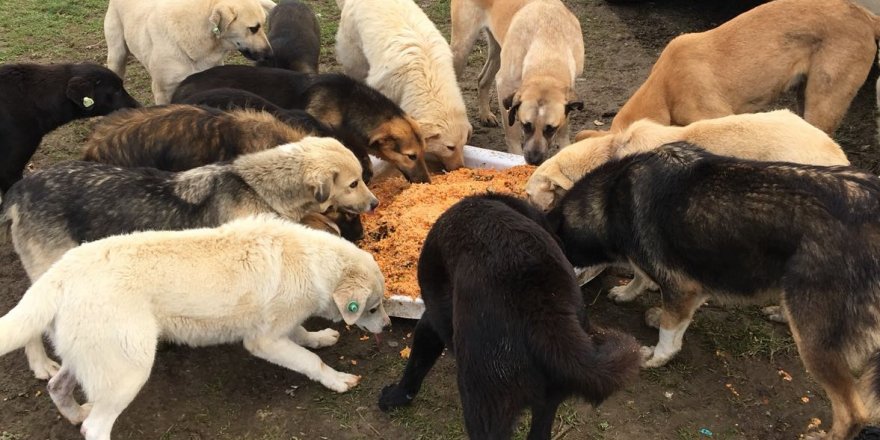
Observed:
{"x":744,"y":332}
{"x":52,"y":30}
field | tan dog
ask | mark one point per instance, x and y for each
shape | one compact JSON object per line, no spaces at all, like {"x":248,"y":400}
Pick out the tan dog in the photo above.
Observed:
{"x":255,"y":281}
{"x":825,"y":46}
{"x":393,"y":46}
{"x":541,"y":53}
{"x":176,"y":38}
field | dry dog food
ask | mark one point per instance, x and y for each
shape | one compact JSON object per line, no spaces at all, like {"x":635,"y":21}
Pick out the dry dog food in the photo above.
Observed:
{"x":395,"y":232}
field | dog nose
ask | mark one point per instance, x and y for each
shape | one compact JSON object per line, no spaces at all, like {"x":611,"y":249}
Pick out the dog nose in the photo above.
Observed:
{"x":374,"y":204}
{"x":534,"y":157}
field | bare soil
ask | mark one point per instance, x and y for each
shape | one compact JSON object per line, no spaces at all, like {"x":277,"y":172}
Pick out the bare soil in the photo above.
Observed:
{"x":738,"y":377}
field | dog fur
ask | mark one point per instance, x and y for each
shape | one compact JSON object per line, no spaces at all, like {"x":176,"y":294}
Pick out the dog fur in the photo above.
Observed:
{"x":35,"y":99}
{"x":536,"y":49}
{"x":394,"y":47}
{"x":56,"y":209}
{"x":778,"y":135}
{"x":362,"y":117}
{"x":499,"y":292}
{"x":254,"y":280}
{"x":702,"y":226}
{"x":825,"y":47}
{"x":180,"y":137}
{"x":233,"y":99}
{"x":176,"y":38}
{"x":295,"y":36}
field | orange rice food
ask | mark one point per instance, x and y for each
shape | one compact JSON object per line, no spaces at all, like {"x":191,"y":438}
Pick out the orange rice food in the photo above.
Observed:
{"x":395,"y":232}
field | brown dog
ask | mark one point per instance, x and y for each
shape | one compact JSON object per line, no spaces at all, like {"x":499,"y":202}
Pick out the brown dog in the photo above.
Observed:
{"x":541,"y":52}
{"x":826,"y":47}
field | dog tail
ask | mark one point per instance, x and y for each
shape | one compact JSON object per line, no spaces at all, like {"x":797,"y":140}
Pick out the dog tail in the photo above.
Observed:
{"x":32,"y":315}
{"x":596,"y":363}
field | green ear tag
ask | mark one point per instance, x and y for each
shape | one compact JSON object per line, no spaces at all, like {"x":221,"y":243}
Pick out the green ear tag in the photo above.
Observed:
{"x":88,"y":102}
{"x":353,"y":306}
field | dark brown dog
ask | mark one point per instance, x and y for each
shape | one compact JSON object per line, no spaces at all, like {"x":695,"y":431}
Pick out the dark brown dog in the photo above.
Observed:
{"x":295,"y":36}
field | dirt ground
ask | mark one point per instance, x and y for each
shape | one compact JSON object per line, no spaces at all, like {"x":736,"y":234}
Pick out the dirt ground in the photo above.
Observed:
{"x":737,"y":377}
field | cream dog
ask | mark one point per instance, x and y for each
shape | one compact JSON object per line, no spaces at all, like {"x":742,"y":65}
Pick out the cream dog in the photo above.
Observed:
{"x":824,"y":46}
{"x":176,"y":38}
{"x":541,"y":53}
{"x":772,"y":136}
{"x":255,"y":280}
{"x":395,"y":48}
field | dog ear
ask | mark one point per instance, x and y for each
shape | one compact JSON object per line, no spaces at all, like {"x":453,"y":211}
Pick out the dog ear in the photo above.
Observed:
{"x":511,"y":105}
{"x":324,"y":187}
{"x":221,"y":16}
{"x":351,"y":296}
{"x":81,"y":91}
{"x":380,"y":140}
{"x":573,"y":105}
{"x":559,"y":180}
{"x":267,"y":5}
{"x":586,"y":134}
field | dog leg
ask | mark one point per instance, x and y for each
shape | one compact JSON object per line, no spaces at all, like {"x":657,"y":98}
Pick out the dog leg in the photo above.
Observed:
{"x":111,"y":398}
{"x":43,"y":367}
{"x":426,"y":348}
{"x":284,"y":352}
{"x":672,"y":322}
{"x":61,"y":388}
{"x":832,"y":83}
{"x":486,"y":78}
{"x":466,"y":20}
{"x":318,"y":339}
{"x":117,"y":50}
{"x":630,"y":291}
{"x":542,"y":420}
{"x":349,"y":54}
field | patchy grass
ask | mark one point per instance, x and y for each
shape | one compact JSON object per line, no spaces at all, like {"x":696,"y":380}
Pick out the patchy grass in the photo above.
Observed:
{"x":52,"y":30}
{"x":744,"y":332}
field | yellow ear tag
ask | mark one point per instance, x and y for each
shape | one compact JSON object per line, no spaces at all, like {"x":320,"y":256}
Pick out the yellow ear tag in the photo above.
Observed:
{"x":216,"y":30}
{"x":88,"y":102}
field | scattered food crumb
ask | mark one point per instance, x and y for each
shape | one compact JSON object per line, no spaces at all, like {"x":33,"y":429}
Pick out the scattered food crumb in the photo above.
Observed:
{"x":732,"y":389}
{"x":598,"y":123}
{"x":668,"y":394}
{"x":364,"y":338}
{"x":784,"y":375}
{"x":405,"y":352}
{"x":814,"y":423}
{"x":354,"y":362}
{"x":805,"y":399}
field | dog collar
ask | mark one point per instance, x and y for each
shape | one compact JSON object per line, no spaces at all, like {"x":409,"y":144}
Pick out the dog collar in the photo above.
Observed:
{"x":353,"y":306}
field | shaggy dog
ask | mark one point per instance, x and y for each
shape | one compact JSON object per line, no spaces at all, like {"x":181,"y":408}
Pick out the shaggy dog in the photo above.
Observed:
{"x":35,"y":100}
{"x":256,"y":280}
{"x":394,"y":47}
{"x":361,"y":117}
{"x":499,"y":292}
{"x":541,"y":52}
{"x":61,"y":207}
{"x":295,"y":35}
{"x":176,"y":38}
{"x":825,"y":47}
{"x":180,"y":137}
{"x":703,"y":226}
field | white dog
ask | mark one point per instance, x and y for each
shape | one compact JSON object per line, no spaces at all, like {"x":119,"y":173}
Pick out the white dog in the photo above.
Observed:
{"x":394,"y":47}
{"x":253,"y":280}
{"x":176,"y":38}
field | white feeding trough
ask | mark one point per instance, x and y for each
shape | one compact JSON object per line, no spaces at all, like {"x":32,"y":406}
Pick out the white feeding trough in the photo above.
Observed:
{"x":403,"y":306}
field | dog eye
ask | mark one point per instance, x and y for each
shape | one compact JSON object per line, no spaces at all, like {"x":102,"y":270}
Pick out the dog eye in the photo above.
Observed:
{"x":373,"y":310}
{"x":412,"y":156}
{"x":254,"y":29}
{"x":353,"y":184}
{"x":549,"y":130}
{"x":527,"y":127}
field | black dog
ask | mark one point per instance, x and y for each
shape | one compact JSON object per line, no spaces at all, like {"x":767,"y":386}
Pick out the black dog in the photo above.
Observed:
{"x":500,"y":293}
{"x":295,"y":36}
{"x":36,"y":99}
{"x":362,"y":118}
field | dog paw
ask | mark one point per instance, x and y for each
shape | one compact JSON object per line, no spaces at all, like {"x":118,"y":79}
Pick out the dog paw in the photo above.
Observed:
{"x":393,"y":397}
{"x":489,"y":120}
{"x":774,"y":313}
{"x":45,"y":369}
{"x":649,"y":360}
{"x":819,"y":435}
{"x":339,"y":381}
{"x":652,"y":317}
{"x":622,"y":294}
{"x":323,"y":338}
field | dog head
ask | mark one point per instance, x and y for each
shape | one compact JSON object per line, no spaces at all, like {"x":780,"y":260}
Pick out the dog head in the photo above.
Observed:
{"x":557,"y":175}
{"x":96,"y":90}
{"x":541,"y":108}
{"x":359,"y":294}
{"x":350,"y":226}
{"x":239,"y":25}
{"x":335,"y":177}
{"x":547,"y":185}
{"x":399,"y":141}
{"x":447,"y":143}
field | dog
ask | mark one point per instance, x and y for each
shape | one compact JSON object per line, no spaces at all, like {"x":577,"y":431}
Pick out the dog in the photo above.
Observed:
{"x":178,"y":137}
{"x":360,"y":116}
{"x":176,"y":38}
{"x":340,"y":223}
{"x":295,"y":36}
{"x":36,"y":99}
{"x":536,"y":49}
{"x":703,"y":225}
{"x":253,"y":280}
{"x":779,"y":135}
{"x":58,"y":208}
{"x":394,"y":47}
{"x":500,"y":293}
{"x":823,"y":47}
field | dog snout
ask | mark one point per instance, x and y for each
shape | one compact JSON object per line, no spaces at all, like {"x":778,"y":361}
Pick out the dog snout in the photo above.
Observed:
{"x":417,"y":174}
{"x":374,"y":203}
{"x":534,"y":156}
{"x":453,"y":162}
